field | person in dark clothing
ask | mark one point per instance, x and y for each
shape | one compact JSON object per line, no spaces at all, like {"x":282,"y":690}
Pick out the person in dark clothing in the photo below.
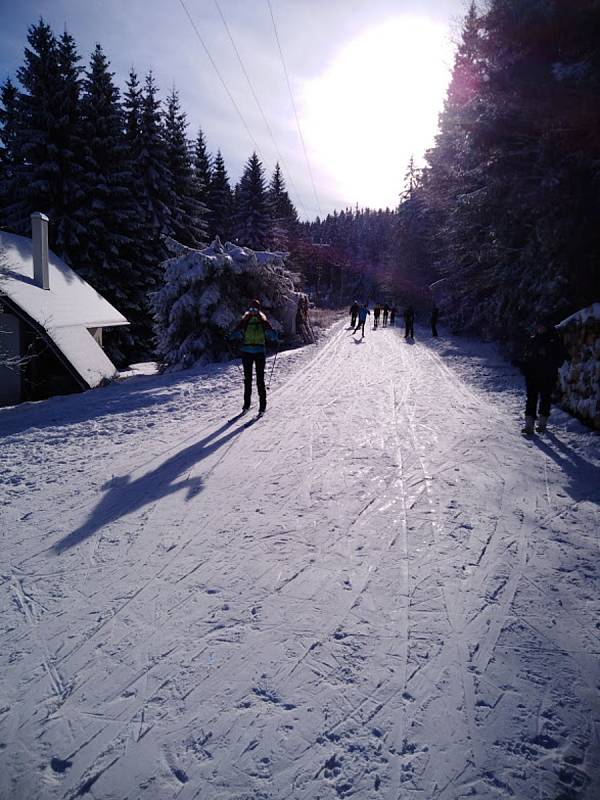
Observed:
{"x":543,"y":354}
{"x":435,"y":315}
{"x":363,"y":312}
{"x":386,"y":313}
{"x":354,"y":313}
{"x":376,"y":315}
{"x":409,"y":322}
{"x":254,"y":330}
{"x":393,"y":312}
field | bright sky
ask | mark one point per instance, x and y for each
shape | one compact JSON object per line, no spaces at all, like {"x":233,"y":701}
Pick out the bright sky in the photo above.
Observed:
{"x":368,"y":78}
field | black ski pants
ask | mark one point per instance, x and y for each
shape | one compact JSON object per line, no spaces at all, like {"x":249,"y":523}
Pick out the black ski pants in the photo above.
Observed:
{"x":409,"y":329}
{"x":539,"y":395}
{"x":360,"y":326}
{"x":248,"y":359}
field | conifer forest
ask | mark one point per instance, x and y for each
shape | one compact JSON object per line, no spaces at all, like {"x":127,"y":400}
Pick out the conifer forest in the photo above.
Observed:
{"x":502,"y":218}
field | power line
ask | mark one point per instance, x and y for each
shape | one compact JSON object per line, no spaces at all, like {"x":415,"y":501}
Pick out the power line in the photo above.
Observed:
{"x":287,"y":78}
{"x":260,"y":108}
{"x":220,"y":77}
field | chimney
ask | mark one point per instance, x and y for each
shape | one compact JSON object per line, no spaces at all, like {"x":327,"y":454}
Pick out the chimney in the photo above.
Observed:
{"x":39,"y":235}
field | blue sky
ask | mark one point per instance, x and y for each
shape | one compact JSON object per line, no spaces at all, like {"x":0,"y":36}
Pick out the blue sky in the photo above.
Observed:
{"x":354,"y":98}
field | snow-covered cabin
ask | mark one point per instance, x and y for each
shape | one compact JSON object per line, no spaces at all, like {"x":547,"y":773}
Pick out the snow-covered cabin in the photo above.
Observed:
{"x":51,"y":322}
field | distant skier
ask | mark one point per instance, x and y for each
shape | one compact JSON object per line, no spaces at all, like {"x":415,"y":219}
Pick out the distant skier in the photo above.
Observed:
{"x":409,"y":322}
{"x":354,"y":313}
{"x":254,"y":330}
{"x":376,"y":315}
{"x":543,"y":354}
{"x":363,"y":312}
{"x":393,"y":312}
{"x":435,"y":315}
{"x":386,"y":313}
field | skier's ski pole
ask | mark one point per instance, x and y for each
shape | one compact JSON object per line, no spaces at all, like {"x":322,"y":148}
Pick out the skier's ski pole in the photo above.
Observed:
{"x":233,"y":355}
{"x":273,"y":367}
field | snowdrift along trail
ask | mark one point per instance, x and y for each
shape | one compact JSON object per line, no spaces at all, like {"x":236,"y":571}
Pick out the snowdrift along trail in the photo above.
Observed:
{"x":379,"y":590}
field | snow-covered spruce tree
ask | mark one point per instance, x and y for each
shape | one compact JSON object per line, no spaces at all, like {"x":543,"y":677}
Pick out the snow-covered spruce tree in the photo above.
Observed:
{"x":8,"y":148}
{"x":220,"y":201}
{"x":252,"y":215}
{"x":206,"y":291}
{"x":188,"y":213}
{"x":108,"y":209}
{"x":284,"y":217}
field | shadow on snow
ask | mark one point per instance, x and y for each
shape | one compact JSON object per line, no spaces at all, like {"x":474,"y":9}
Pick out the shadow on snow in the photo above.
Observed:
{"x":124,"y":495}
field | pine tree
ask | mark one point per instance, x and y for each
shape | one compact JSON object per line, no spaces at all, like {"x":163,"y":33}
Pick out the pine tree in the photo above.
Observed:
{"x":37,"y":169}
{"x":152,"y":166}
{"x":9,"y":127}
{"x":132,"y":105}
{"x":188,"y":213}
{"x":202,"y":176}
{"x":220,"y":201}
{"x":108,"y":209}
{"x":70,"y":234}
{"x":283,"y":214}
{"x":151,"y":190}
{"x":253,"y":220}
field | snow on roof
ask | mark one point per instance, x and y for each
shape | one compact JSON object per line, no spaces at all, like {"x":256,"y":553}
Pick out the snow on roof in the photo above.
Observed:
{"x":66,"y":310}
{"x":69,"y":300}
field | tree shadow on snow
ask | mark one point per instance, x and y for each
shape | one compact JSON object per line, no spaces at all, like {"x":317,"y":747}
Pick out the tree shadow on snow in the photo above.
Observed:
{"x":583,"y":476}
{"x":124,"y":495}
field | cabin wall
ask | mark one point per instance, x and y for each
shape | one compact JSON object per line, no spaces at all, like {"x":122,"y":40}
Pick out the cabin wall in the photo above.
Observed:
{"x":11,"y":346}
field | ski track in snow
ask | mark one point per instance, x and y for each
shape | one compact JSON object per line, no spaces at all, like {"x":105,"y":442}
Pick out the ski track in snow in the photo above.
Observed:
{"x":380,"y":590}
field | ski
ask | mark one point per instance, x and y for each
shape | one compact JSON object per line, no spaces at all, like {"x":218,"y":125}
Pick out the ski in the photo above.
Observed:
{"x":236,"y":417}
{"x":254,"y":419}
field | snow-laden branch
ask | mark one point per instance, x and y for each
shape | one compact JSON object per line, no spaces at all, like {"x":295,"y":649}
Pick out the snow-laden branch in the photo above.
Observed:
{"x":206,"y":291}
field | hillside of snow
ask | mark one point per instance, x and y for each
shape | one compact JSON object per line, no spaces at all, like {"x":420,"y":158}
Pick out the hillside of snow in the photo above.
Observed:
{"x":379,"y":590}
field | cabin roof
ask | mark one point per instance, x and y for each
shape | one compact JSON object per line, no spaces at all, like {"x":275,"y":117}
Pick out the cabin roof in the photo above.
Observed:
{"x":65,"y":311}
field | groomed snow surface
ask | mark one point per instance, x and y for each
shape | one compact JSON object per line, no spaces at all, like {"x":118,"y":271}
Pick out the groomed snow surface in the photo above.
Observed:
{"x":380,"y":590}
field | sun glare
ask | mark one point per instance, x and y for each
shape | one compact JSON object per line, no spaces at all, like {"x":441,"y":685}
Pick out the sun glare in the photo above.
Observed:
{"x":375,"y":106}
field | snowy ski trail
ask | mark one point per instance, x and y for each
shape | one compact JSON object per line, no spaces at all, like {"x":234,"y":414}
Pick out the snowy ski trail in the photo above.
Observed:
{"x":379,"y":590}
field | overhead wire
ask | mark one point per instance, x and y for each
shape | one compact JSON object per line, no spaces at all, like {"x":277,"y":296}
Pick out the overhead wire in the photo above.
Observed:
{"x":289,"y":86}
{"x":220,"y":77}
{"x":260,"y":108}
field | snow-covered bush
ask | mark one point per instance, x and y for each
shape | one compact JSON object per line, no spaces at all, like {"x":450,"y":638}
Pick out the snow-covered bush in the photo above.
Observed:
{"x":580,"y":376}
{"x":206,"y":291}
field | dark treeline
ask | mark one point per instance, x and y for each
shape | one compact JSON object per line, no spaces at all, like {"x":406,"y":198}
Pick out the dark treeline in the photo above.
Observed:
{"x":118,"y":173}
{"x":505,"y":213}
{"x":502,"y":219}
{"x":510,"y":196}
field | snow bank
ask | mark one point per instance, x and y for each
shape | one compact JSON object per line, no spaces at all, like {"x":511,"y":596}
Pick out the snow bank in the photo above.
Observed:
{"x":580,"y":376}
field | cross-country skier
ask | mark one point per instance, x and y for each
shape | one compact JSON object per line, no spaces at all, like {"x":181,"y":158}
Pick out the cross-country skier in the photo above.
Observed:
{"x":376,"y":315}
{"x":409,"y":322}
{"x":386,"y":313}
{"x":254,"y":330}
{"x":435,"y":315}
{"x":354,"y":313}
{"x":363,"y":311}
{"x":539,"y":362}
